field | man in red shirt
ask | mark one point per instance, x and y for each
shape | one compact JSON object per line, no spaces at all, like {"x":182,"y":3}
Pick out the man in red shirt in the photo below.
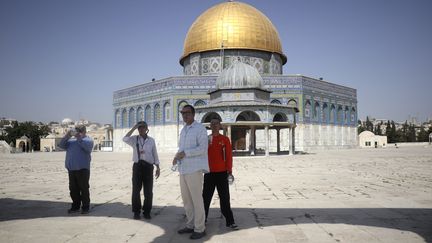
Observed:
{"x":220,"y":164}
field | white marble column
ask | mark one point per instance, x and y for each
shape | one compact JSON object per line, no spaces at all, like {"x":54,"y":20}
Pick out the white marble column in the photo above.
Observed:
{"x":292,"y":141}
{"x":266,"y":137}
{"x":278,"y":139}
{"x":252,"y":141}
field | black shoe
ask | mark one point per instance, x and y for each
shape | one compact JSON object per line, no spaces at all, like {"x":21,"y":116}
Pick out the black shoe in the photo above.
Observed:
{"x":73,"y":210}
{"x":137,"y":216}
{"x":185,"y":230}
{"x":85,"y":211}
{"x":233,"y":226}
{"x":196,"y":235}
{"x":147,"y":216}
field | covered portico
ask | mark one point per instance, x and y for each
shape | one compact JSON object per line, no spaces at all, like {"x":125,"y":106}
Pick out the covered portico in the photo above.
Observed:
{"x":243,"y":134}
{"x":243,"y":105}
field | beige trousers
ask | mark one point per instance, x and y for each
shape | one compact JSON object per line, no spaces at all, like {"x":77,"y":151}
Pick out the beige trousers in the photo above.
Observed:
{"x":191,"y":192}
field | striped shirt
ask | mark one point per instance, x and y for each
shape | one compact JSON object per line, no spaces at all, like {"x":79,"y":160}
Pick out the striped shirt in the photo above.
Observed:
{"x":194,"y":143}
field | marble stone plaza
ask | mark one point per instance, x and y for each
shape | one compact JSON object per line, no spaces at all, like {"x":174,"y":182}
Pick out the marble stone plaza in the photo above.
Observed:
{"x":353,"y":195}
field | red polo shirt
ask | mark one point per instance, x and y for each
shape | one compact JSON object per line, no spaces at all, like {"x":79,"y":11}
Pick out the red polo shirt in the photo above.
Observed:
{"x":219,"y":153}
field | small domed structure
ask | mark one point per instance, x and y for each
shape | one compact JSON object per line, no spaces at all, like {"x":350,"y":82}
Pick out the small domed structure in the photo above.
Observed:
{"x":67,"y":121}
{"x":238,"y":76}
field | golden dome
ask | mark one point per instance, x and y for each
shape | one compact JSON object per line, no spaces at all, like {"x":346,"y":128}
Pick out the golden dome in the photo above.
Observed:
{"x":234,"y":25}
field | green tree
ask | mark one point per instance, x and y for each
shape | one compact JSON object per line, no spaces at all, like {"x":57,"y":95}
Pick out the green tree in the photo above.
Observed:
{"x":32,"y":130}
{"x":378,"y":129}
{"x":423,"y":135}
{"x":360,"y":127}
{"x":393,"y":135}
{"x":369,"y":125}
{"x":388,"y":129}
{"x":411,"y":136}
{"x":403,"y":133}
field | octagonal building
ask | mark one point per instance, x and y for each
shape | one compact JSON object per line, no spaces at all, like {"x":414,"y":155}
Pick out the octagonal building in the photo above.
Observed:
{"x":228,"y":33}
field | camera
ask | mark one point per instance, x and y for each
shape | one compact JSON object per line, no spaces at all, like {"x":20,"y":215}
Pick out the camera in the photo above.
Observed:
{"x":73,"y":131}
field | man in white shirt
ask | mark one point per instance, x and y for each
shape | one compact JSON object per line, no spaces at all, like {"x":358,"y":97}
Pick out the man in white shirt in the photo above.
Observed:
{"x":192,"y":163}
{"x":144,"y":157}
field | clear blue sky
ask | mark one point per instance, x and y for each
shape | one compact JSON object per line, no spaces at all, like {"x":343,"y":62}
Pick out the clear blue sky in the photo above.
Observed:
{"x":63,"y":58}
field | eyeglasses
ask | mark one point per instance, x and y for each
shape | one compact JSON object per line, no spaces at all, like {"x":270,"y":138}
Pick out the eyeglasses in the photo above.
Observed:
{"x":185,"y":112}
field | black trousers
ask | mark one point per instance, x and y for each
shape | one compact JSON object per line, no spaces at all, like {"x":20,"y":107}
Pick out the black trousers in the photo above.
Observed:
{"x":79,"y":188}
{"x":142,"y":176}
{"x":218,"y":180}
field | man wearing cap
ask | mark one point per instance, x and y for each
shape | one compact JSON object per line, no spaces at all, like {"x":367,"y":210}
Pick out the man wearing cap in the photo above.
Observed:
{"x":144,"y":156}
{"x":77,"y":162}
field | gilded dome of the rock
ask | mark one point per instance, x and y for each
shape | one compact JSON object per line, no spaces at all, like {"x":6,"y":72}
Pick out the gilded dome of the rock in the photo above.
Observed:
{"x":233,"y":25}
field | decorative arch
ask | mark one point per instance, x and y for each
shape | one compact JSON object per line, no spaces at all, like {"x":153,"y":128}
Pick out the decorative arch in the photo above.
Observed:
{"x":157,"y":114}
{"x":199,"y":103}
{"x":117,"y":119}
{"x":140,"y":114}
{"x":316,"y":112}
{"x":280,"y":117}
{"x":332,"y":113}
{"x":339,"y":114}
{"x":292,"y":103}
{"x":124,"y":118}
{"x":276,"y":101}
{"x":132,"y":117}
{"x":147,"y":114}
{"x":307,"y":108}
{"x":353,"y":115}
{"x":325,"y":111}
{"x":167,"y":112}
{"x":248,"y":116}
{"x":180,"y":106}
{"x":346,"y":115}
{"x":209,"y":116}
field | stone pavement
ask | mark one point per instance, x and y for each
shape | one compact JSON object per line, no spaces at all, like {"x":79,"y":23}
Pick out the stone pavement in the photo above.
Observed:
{"x":369,"y":195}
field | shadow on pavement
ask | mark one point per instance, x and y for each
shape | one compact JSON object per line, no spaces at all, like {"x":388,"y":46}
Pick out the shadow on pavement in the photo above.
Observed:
{"x":416,"y":220}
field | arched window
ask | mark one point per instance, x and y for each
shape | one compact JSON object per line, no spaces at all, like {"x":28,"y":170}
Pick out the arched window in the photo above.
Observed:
{"x":316,"y":111}
{"x":248,"y":116}
{"x":275,"y":101}
{"x":180,"y":107}
{"x":117,"y":119}
{"x":353,"y":115}
{"x":157,"y":114}
{"x":199,"y":103}
{"x":340,"y":115}
{"x":140,"y":114}
{"x":292,"y":103}
{"x":346,"y":115}
{"x":325,"y":111}
{"x":147,"y":114}
{"x":332,"y":113}
{"x":167,"y":112}
{"x":124,"y":118}
{"x":209,"y":116}
{"x":132,"y":117}
{"x":307,"y":108}
{"x":280,"y":117}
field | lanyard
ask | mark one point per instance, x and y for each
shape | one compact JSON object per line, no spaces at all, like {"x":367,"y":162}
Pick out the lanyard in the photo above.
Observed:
{"x":142,"y":146}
